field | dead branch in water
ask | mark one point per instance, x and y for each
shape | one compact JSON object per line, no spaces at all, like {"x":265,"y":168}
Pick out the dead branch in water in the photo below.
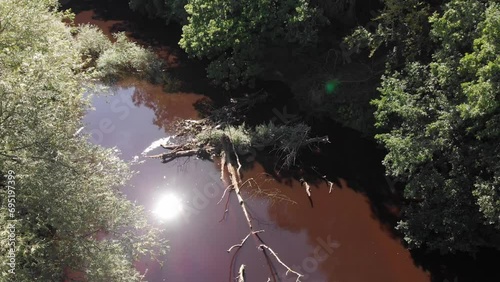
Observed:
{"x":241,"y":274}
{"x":243,"y":241}
{"x":176,"y":154}
{"x":228,"y":151}
{"x":229,"y":187}
{"x":262,"y":246}
{"x":330,"y":184}
{"x":222,"y":165}
{"x":230,"y":160}
{"x":226,"y":206}
{"x":307,"y":186}
{"x":237,"y":160}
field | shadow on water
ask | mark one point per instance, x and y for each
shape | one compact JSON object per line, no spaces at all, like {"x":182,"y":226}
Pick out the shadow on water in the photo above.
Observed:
{"x":358,"y":161}
{"x":460,"y":267}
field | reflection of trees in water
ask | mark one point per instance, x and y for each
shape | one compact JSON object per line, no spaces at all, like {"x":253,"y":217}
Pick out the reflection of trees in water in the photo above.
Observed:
{"x":166,"y":106}
{"x":343,"y":236}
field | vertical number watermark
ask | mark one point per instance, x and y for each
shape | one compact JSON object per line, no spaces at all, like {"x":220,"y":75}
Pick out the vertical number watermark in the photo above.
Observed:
{"x":11,"y":217}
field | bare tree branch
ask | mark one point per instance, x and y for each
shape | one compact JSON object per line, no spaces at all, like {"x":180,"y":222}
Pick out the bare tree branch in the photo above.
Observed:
{"x":229,"y":187}
{"x":244,"y":240}
{"x":288,"y":269}
{"x":330,"y":184}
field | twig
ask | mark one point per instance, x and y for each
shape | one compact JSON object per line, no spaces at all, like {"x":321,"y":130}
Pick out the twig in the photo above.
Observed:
{"x":272,"y":269}
{"x":308,"y":187}
{"x":226,"y":207}
{"x":237,"y":160}
{"x":330,"y":184}
{"x":261,"y":246}
{"x":233,"y":259}
{"x":244,"y":240}
{"x":229,"y":187}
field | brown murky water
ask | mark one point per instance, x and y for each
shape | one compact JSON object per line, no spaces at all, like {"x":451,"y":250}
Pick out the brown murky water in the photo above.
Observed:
{"x":337,"y":238}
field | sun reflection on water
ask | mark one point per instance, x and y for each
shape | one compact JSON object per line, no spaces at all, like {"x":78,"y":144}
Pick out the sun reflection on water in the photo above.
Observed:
{"x":168,"y":207}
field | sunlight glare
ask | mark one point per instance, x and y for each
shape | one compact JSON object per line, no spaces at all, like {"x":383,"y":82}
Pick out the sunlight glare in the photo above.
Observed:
{"x":168,"y":207}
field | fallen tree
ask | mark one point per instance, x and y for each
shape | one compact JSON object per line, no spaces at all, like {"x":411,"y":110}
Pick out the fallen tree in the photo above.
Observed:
{"x":234,"y":144}
{"x":231,"y":161}
{"x":202,"y":138}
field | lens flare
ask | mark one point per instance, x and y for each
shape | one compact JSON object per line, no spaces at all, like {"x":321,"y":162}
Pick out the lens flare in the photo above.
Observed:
{"x":331,"y":86}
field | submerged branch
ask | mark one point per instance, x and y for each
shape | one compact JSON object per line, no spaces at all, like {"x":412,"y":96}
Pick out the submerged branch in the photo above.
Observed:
{"x":229,"y":187}
{"x":228,"y":150}
{"x":307,"y":186}
{"x":288,"y":269}
{"x":330,"y":184}
{"x":226,"y":206}
{"x":241,"y":274}
{"x":244,"y":240}
{"x":210,"y":139}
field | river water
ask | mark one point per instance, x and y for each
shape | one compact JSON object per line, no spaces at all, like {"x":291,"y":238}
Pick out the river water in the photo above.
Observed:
{"x":335,"y":236}
{"x":338,"y":239}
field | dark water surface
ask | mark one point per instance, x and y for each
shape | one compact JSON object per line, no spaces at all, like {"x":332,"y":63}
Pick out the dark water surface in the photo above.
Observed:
{"x":339,"y":237}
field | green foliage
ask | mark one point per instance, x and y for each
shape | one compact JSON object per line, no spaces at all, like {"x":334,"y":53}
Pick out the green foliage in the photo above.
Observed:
{"x":110,"y":61}
{"x":443,"y":121}
{"x":171,"y":10}
{"x":125,"y":57}
{"x":235,"y":35}
{"x":67,"y":190}
{"x":91,"y":42}
{"x":402,"y":26}
{"x":286,"y":140}
{"x":239,"y":136}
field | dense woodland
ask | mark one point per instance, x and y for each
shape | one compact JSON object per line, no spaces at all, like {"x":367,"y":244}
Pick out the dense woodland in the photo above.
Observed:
{"x":422,"y":78}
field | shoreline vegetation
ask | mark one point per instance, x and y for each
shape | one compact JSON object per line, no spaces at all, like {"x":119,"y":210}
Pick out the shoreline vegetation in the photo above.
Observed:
{"x":71,"y":220}
{"x":420,"y":77}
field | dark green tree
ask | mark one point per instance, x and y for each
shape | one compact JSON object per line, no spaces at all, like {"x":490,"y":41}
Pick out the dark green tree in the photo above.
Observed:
{"x":170,"y":10}
{"x":401,"y":27}
{"x":236,"y":35}
{"x":442,"y":119}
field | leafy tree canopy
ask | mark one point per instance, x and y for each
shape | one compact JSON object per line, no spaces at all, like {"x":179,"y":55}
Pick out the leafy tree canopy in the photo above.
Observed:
{"x":442,"y":116}
{"x":171,"y":10}
{"x":66,"y":189}
{"x":402,"y":27}
{"x":235,"y":34}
